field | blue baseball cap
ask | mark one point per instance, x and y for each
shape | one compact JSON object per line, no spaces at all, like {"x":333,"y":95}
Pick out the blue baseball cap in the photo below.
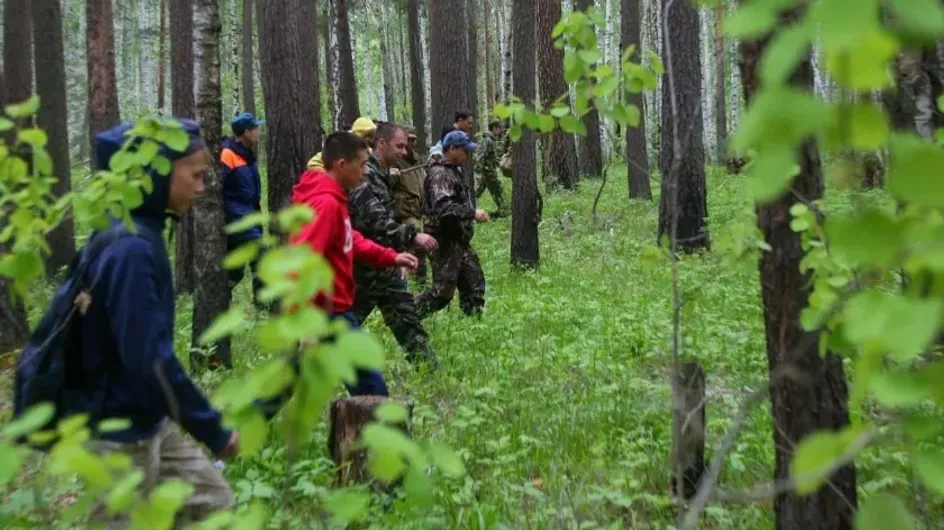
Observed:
{"x":244,"y":122}
{"x":459,"y":139}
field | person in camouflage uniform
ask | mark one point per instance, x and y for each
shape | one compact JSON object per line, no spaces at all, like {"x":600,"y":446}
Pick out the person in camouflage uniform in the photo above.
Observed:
{"x":407,"y":179}
{"x":449,"y":214}
{"x":372,"y":214}
{"x":486,"y":167}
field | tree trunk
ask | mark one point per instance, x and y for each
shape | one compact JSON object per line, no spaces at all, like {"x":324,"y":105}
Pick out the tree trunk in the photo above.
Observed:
{"x":525,"y":199}
{"x":560,"y":152}
{"x":348,"y":417}
{"x":290,"y":140}
{"x":389,"y":78}
{"x":100,"y":54}
{"x":349,"y":109}
{"x":54,"y":118}
{"x":309,"y":68}
{"x":402,"y":60}
{"x":506,"y":73}
{"x":815,"y":396}
{"x":637,"y":158}
{"x":448,"y":61}
{"x":248,"y":80}
{"x":18,"y":50}
{"x":162,"y":57}
{"x":721,"y":116}
{"x":417,"y":75}
{"x":330,"y":64}
{"x":235,"y":41}
{"x":472,"y":47}
{"x":183,"y":105}
{"x":211,"y":295}
{"x":590,"y":157}
{"x":682,"y":153}
{"x":489,"y":79}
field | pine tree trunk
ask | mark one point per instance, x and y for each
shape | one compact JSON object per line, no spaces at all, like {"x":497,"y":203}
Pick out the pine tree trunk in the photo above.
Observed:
{"x":54,"y":118}
{"x":560,"y":152}
{"x":402,"y":61}
{"x":289,"y":126}
{"x":637,"y":158}
{"x":183,"y":105}
{"x":248,"y":79}
{"x":590,"y":157}
{"x":525,"y":198}
{"x":683,"y":163}
{"x":330,"y":64}
{"x":449,"y":61}
{"x":309,"y":68}
{"x":389,"y":78}
{"x":211,"y":295}
{"x":417,"y":75}
{"x":721,"y":115}
{"x":100,"y":54}
{"x":472,"y":47}
{"x":489,"y":79}
{"x":162,"y":57}
{"x":349,"y":108}
{"x":815,"y":396}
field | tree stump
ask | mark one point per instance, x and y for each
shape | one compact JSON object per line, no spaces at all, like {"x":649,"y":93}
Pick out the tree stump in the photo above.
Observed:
{"x":688,"y":429}
{"x":349,"y":416}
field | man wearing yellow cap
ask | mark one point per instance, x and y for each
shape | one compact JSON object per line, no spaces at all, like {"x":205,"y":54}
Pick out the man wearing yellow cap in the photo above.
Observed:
{"x":363,"y":127}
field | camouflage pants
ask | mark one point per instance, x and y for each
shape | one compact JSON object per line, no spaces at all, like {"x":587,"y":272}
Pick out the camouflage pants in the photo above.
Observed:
{"x":455,"y":266}
{"x":386,"y":290}
{"x":490,"y":181}
{"x":169,"y":454}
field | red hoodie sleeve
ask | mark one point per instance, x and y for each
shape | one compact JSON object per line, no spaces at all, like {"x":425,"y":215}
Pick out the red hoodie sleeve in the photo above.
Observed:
{"x":323,"y":229}
{"x":373,"y":254}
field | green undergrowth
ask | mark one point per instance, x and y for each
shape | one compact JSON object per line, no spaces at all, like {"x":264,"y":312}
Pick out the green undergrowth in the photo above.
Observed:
{"x":558,"y":398}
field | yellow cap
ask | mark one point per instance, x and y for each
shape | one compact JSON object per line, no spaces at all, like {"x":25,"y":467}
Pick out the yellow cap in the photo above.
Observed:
{"x":363,"y":126}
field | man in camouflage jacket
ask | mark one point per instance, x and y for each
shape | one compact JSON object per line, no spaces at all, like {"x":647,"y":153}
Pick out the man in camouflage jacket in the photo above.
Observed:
{"x":449,"y":215}
{"x":407,"y":179}
{"x":487,"y":162}
{"x":372,"y":214}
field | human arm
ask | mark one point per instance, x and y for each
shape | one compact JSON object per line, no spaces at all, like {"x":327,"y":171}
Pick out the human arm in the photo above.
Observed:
{"x":373,"y":254}
{"x":375,"y":222}
{"x":442,"y":192}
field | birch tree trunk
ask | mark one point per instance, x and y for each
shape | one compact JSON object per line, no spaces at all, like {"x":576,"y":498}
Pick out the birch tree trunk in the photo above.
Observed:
{"x":248,"y":79}
{"x":162,"y":57}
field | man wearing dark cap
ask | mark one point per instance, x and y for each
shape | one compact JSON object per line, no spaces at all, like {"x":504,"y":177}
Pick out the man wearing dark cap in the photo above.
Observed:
{"x":407,"y":179}
{"x":450,"y":217}
{"x":242,"y":190}
{"x":127,"y":342}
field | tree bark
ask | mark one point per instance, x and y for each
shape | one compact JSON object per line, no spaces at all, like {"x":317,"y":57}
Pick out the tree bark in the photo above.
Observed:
{"x":53,"y":117}
{"x":417,"y":75}
{"x":816,"y":396}
{"x":560,"y":152}
{"x":682,"y":153}
{"x":211,"y":295}
{"x":17,"y":50}
{"x":290,"y":140}
{"x":309,"y":68}
{"x":721,"y":116}
{"x":162,"y":57}
{"x":489,"y":78}
{"x":100,"y":54}
{"x":330,"y":65}
{"x":183,"y":105}
{"x":389,"y":78}
{"x":248,"y":80}
{"x":590,"y":157}
{"x":472,"y":47}
{"x":525,"y":199}
{"x":348,"y":106}
{"x":637,"y":158}
{"x":449,"y":67}
{"x":348,"y":417}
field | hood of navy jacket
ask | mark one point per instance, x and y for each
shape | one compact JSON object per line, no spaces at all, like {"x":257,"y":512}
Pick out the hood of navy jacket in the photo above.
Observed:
{"x":127,"y":332}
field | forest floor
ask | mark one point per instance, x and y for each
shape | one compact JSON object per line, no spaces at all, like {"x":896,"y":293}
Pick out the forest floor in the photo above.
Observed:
{"x":558,"y":399}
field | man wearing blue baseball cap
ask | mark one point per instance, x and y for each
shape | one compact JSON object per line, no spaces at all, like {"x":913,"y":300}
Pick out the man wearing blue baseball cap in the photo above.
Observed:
{"x":242,"y":190}
{"x":450,"y":215}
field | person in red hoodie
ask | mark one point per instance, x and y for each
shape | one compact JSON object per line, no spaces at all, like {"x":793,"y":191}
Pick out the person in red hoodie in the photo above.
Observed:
{"x":331,"y":235}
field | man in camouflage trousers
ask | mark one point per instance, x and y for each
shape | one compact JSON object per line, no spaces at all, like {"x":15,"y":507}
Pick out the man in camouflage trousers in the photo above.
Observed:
{"x":408,"y":177}
{"x":449,"y":214}
{"x":372,"y":214}
{"x":486,"y":167}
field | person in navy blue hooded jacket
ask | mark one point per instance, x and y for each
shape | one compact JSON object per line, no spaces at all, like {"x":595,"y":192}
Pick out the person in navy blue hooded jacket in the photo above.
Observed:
{"x":242,"y":189}
{"x":128,"y":338}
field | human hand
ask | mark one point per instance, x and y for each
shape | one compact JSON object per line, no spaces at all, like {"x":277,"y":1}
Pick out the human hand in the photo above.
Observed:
{"x":407,"y":261}
{"x":232,"y":446}
{"x":426,"y":241}
{"x":481,"y":216}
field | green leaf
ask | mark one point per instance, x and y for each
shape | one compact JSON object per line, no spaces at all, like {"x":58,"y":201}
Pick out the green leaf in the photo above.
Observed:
{"x":10,"y":461}
{"x":386,"y":465}
{"x":114,"y":425}
{"x":815,"y":455}
{"x":391,"y":413}
{"x":572,"y":67}
{"x":252,"y":432}
{"x":590,"y":57}
{"x":501,"y":111}
{"x":252,"y":519}
{"x":6,"y":125}
{"x":606,"y":86}
{"x":899,"y":389}
{"x":870,"y":237}
{"x":930,"y":469}
{"x":242,"y":255}
{"x":362,"y":348}
{"x":883,"y":321}
{"x":32,"y":420}
{"x":559,"y":111}
{"x":515,"y":132}
{"x":35,"y":137}
{"x":418,"y":487}
{"x":864,"y":65}
{"x":752,"y":19}
{"x":223,"y":326}
{"x":176,"y":139}
{"x":921,"y":19}
{"x":247,"y":222}
{"x":786,"y":50}
{"x":448,"y":461}
{"x":294,"y":217}
{"x":915,"y":170}
{"x":545,"y":123}
{"x":162,"y":165}
{"x":572,"y":125}
{"x":531,"y":119}
{"x":25,"y":109}
{"x":869,"y":127}
{"x":771,"y":172}
{"x":123,"y":494}
{"x":348,"y":505}
{"x":884,"y":512}
{"x":844,"y":22}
